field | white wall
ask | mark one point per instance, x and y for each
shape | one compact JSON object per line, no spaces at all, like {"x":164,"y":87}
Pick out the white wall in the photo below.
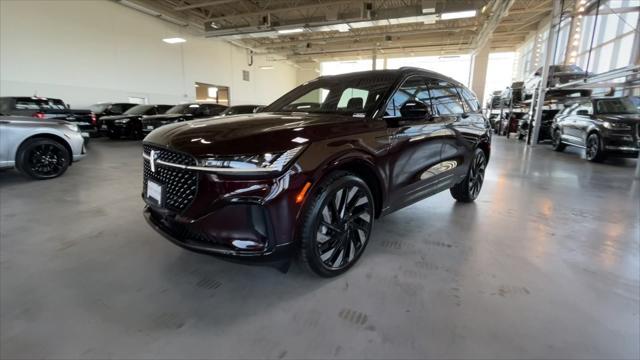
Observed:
{"x":96,"y":50}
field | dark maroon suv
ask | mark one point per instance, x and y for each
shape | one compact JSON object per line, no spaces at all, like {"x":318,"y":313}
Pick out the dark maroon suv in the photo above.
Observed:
{"x":309,"y":175}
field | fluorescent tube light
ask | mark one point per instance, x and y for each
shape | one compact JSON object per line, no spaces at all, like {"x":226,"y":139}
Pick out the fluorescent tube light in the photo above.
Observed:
{"x":268,"y":67}
{"x":175,"y":40}
{"x":290,"y":31}
{"x":458,"y":15}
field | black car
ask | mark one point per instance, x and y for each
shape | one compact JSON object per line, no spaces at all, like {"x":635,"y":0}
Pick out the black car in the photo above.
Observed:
{"x":512,"y":93}
{"x":603,"y":126}
{"x":48,"y":108}
{"x":182,"y":112}
{"x":241,"y":109}
{"x":109,"y":109}
{"x":494,"y":101}
{"x":309,"y":175}
{"x":524,"y":124}
{"x":129,"y":124}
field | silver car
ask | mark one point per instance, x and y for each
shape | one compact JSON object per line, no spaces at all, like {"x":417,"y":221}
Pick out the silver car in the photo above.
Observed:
{"x":39,"y":148}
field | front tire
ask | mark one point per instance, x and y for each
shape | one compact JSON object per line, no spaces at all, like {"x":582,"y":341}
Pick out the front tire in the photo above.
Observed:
{"x":336,"y":224}
{"x":557,"y":145}
{"x":594,"y":151}
{"x":469,"y":188}
{"x":42,"y":158}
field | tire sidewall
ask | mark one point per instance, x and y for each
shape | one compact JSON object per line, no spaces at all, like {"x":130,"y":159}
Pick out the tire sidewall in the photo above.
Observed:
{"x":598,"y":154}
{"x":26,"y":148}
{"x":312,"y":215}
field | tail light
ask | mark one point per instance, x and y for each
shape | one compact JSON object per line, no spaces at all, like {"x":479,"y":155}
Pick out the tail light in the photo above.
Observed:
{"x":93,"y":119}
{"x":39,"y":115}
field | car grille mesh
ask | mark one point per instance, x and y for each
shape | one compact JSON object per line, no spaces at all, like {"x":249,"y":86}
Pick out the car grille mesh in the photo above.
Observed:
{"x":179,"y":186}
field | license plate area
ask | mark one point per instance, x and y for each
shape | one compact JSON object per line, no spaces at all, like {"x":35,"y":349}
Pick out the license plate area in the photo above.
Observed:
{"x":154,"y":193}
{"x":149,"y":127}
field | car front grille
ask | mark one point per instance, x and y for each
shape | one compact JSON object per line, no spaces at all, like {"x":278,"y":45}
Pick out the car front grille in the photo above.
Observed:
{"x":179,"y":186}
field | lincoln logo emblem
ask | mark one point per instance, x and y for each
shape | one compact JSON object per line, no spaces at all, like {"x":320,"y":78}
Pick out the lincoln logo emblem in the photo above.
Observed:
{"x":152,"y":160}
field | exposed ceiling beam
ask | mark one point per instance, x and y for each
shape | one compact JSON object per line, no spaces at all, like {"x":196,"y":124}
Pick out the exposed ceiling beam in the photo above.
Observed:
{"x":499,"y":9}
{"x":202,"y":4}
{"x":280,"y":10}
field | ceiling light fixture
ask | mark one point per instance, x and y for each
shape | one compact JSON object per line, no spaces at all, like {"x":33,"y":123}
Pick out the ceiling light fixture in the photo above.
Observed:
{"x":458,"y":15}
{"x":290,"y":31}
{"x":175,"y":40}
{"x":267,"y":67}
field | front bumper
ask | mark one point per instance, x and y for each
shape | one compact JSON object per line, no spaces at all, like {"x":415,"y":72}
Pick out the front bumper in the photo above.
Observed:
{"x":178,"y":235}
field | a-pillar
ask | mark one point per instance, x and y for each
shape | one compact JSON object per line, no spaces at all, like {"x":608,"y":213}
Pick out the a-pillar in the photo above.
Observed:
{"x":479,"y":65}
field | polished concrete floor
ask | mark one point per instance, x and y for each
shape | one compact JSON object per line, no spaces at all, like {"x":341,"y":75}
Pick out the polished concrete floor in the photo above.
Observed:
{"x":545,"y":264}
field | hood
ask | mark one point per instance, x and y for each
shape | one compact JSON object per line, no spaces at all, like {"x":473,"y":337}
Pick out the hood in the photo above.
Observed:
{"x":625,"y":118}
{"x":253,"y":133}
{"x":118,"y":117}
{"x":164,"y":117}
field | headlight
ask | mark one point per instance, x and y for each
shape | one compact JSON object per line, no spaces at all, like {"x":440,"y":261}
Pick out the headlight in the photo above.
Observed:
{"x":267,"y":162}
{"x":122,"y":121}
{"x":617,"y":126}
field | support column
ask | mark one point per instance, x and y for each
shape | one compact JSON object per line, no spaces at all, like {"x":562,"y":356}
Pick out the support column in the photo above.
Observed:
{"x":374,"y":58}
{"x":479,"y":65}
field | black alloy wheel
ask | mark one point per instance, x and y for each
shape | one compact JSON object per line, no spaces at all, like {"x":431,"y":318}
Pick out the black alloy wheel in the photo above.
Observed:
{"x":43,"y":158}
{"x":469,"y":189}
{"x":337,"y":224}
{"x":593,"y":150}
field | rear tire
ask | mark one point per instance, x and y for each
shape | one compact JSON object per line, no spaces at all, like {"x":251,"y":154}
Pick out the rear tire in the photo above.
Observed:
{"x":469,"y":188}
{"x":42,"y":158}
{"x":336,"y":224}
{"x":557,"y":145}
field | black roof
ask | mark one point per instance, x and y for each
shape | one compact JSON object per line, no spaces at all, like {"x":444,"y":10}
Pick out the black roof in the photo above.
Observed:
{"x":403,"y":71}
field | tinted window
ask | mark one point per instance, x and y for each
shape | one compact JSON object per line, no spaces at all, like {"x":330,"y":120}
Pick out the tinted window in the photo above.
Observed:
{"x":117,"y":109}
{"x":140,"y":110}
{"x":444,"y":98}
{"x":184,"y":109}
{"x":163,"y":108}
{"x":241,"y":109}
{"x":471,"y":99}
{"x":413,"y":89}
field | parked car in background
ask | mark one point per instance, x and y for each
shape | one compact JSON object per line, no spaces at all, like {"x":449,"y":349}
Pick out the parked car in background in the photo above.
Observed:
{"x":524,"y":125}
{"x":603,"y":126}
{"x":109,"y":109}
{"x":636,"y":101}
{"x":558,"y":74}
{"x":494,"y":100}
{"x":181,"y":112}
{"x":129,"y":124}
{"x":39,"y":148}
{"x":241,"y":109}
{"x":510,"y":122}
{"x":514,"y":92}
{"x":309,"y":174}
{"x":48,"y":108}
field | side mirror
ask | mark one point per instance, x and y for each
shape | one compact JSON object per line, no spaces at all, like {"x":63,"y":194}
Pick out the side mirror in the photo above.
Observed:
{"x":583,"y":112}
{"x":415,"y":110}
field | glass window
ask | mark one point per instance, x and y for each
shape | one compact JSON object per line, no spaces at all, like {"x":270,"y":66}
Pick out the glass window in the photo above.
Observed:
{"x":471,"y":99}
{"x":332,"y":94}
{"x":140,"y":110}
{"x":413,"y":89}
{"x":616,"y":106}
{"x":583,"y":107}
{"x":444,"y":98}
{"x":353,"y":99}
{"x":116,"y":109}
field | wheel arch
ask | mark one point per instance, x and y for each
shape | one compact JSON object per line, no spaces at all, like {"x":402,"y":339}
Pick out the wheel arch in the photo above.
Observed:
{"x":53,"y":137}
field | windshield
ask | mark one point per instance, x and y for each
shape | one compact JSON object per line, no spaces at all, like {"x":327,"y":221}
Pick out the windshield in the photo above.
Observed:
{"x":138,"y":110}
{"x":183,"y":109}
{"x":98,"y":108}
{"x":615,"y":106}
{"x":336,"y":94}
{"x":566,"y":68}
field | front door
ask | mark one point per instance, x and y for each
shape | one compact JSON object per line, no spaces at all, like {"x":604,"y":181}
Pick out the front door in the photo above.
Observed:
{"x":416,"y":145}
